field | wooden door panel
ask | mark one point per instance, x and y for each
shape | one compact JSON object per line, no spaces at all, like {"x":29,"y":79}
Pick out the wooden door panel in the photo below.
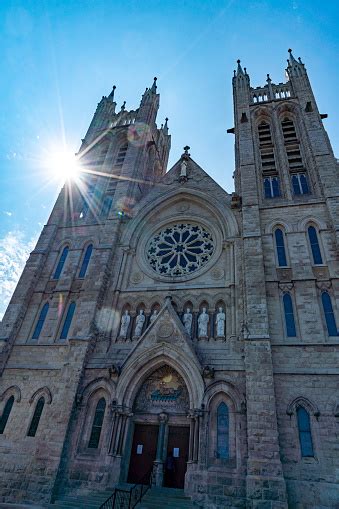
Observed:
{"x":144,"y":449}
{"x":178,"y":440}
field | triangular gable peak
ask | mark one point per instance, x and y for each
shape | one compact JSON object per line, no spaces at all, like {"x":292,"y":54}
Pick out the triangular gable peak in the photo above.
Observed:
{"x":187,"y":171}
{"x":166,"y":328}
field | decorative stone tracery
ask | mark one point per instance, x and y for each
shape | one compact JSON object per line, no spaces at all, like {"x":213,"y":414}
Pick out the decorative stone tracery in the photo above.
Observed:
{"x":180,"y":249}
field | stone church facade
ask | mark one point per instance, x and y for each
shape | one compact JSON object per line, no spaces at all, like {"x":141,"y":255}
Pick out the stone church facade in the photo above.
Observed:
{"x":160,"y":316}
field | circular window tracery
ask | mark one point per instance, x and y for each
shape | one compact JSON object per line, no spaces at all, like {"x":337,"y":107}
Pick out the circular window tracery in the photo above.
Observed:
{"x":180,"y":249}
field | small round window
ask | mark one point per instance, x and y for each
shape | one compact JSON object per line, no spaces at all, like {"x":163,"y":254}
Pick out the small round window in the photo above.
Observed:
{"x":180,"y":249}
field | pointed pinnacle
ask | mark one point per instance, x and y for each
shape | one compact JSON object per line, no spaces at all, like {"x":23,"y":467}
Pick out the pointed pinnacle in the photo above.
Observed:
{"x":111,"y":95}
{"x":154,"y":86}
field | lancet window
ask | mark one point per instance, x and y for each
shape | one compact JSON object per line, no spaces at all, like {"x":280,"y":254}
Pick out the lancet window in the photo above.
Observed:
{"x":305,"y":435}
{"x":97,"y":424}
{"x":36,"y":417}
{"x":41,"y":321}
{"x":85,"y":261}
{"x":6,"y":413}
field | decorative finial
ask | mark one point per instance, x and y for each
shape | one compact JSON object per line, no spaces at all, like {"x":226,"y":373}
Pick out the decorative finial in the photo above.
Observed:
{"x":154,"y":86}
{"x":123,"y":106}
{"x":268,"y":78}
{"x":240,"y":71}
{"x":111,"y":95}
{"x":186,"y":149}
{"x":291,"y":55}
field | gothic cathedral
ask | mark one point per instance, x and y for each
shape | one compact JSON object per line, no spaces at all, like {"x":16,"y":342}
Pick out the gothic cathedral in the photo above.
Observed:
{"x":164,"y":330}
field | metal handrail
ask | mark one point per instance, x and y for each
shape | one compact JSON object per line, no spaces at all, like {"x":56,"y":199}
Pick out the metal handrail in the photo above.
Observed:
{"x":128,"y":498}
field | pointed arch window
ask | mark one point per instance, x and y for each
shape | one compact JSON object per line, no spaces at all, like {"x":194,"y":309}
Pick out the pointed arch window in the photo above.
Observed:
{"x":329,"y":314}
{"x":97,"y":424}
{"x":33,"y":427}
{"x":315,"y":247}
{"x":41,"y":321}
{"x":280,"y":245}
{"x":289,"y":316}
{"x":61,"y":263}
{"x":222,"y":431}
{"x":5,"y":414}
{"x":305,"y":435}
{"x":85,"y":261}
{"x":68,"y":320}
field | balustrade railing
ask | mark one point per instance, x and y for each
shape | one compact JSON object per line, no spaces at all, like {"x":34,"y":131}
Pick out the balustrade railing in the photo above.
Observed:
{"x":128,"y":498}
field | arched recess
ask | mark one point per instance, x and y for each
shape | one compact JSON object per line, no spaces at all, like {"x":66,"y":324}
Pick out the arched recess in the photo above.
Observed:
{"x":140,"y":367}
{"x":223,"y":394}
{"x":309,"y":221}
{"x":227,"y":388}
{"x":92,"y":387}
{"x":144,"y":213}
{"x":95,"y":391}
{"x":304,"y":402}
{"x":270,"y":227}
{"x":43,"y":391}
{"x":14,"y":390}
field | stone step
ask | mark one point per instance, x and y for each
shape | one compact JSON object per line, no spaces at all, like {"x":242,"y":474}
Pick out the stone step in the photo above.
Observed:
{"x":158,"y":498}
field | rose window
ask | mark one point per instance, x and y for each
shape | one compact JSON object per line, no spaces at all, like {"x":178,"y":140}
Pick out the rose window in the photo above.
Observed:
{"x":180,"y":249}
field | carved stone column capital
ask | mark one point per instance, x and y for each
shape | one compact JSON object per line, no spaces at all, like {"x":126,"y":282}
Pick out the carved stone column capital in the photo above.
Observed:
{"x":162,"y":418}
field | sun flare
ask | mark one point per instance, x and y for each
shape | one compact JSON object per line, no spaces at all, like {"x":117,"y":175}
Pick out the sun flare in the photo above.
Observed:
{"x":64,"y":165}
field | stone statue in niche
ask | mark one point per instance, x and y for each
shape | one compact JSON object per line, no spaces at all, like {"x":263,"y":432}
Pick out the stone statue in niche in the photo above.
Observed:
{"x":203,"y":323}
{"x":139,"y":323}
{"x":220,"y":322}
{"x":187,"y":321}
{"x":125,"y":321}
{"x":154,"y":315}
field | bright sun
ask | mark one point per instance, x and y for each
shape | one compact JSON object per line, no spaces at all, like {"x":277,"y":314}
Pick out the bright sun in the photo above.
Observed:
{"x":64,"y":165}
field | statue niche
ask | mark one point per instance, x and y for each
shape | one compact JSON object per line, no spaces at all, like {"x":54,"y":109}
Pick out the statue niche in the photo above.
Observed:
{"x":164,"y":390}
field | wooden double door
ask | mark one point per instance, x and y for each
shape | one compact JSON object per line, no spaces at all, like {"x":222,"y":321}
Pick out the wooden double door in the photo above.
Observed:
{"x":144,"y":451}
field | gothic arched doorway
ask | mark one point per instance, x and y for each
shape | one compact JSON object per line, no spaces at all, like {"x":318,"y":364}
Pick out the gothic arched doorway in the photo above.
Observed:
{"x":161,"y":433}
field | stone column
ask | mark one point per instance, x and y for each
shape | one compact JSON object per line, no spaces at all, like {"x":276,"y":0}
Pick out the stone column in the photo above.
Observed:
{"x":191,"y":441}
{"x":158,"y":466}
{"x":197,"y":417}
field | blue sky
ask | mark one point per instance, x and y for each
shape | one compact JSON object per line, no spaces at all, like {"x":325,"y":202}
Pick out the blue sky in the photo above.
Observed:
{"x":59,"y":57}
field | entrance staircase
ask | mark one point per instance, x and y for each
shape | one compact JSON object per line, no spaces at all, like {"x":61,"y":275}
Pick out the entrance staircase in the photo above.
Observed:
{"x":92,"y":501}
{"x":165,"y":498}
{"x":155,"y":498}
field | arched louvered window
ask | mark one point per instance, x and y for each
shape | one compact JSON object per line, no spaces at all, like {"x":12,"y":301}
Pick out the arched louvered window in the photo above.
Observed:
{"x":280,"y":245}
{"x":223,"y":431}
{"x":329,"y":314}
{"x":305,"y":435}
{"x":86,"y":260}
{"x":61,"y":262}
{"x":121,"y":156}
{"x":289,"y":315}
{"x":314,"y":243}
{"x":5,"y":414}
{"x":41,"y":321}
{"x":97,"y":424}
{"x":68,"y":321}
{"x":106,"y":205}
{"x":36,"y":417}
{"x":84,"y":207}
